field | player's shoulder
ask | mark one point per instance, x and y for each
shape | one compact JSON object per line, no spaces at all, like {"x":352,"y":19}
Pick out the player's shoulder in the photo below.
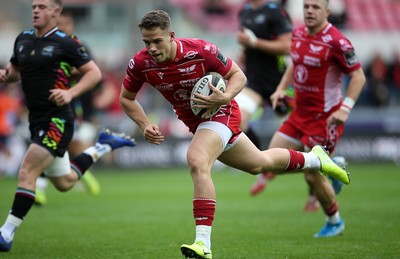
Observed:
{"x":141,"y":60}
{"x":333,"y":31}
{"x":335,"y":37}
{"x":195,"y":45}
{"x":26,"y":34}
{"x":192,"y":42}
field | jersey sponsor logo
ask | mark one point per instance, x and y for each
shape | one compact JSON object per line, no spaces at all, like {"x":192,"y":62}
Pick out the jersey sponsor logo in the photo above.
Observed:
{"x":83,"y":52}
{"x":188,"y":82}
{"x":345,"y":45}
{"x":131,"y":63}
{"x":160,"y":75}
{"x":259,"y":19}
{"x":48,"y":51}
{"x":301,"y":73}
{"x":191,"y":54}
{"x":222,"y":58}
{"x":188,"y":70}
{"x":212,"y":48}
{"x":351,"y":58}
{"x":164,"y":87}
{"x":312,"y":61}
{"x":315,"y":49}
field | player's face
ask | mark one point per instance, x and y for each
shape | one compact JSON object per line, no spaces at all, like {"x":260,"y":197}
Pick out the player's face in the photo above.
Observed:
{"x":316,"y":14}
{"x":44,"y":14}
{"x":159,"y":44}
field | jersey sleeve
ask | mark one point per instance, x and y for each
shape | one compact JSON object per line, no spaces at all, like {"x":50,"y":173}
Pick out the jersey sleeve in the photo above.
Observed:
{"x":133,"y":80}
{"x":215,"y":61}
{"x":14,"y":59}
{"x":345,"y":55}
{"x":280,"y":21}
{"x":75,"y":52}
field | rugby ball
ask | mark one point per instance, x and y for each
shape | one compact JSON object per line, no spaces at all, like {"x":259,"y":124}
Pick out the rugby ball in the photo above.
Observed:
{"x":201,"y":87}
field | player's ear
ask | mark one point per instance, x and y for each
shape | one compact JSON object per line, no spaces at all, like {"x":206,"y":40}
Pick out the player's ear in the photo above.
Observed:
{"x":57,"y":11}
{"x":172,"y":35}
{"x":328,"y":12}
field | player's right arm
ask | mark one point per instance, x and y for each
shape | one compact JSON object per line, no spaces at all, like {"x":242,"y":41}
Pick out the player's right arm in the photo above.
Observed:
{"x":134,"y":110}
{"x":280,"y":92}
{"x":10,"y":74}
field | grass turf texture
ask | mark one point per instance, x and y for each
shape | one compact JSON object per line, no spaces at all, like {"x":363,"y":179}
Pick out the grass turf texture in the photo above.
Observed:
{"x":148,"y":214}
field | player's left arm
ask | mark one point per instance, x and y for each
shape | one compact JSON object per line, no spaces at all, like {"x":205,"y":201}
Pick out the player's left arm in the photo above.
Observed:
{"x":91,"y":76}
{"x":236,"y":81}
{"x":356,"y":84}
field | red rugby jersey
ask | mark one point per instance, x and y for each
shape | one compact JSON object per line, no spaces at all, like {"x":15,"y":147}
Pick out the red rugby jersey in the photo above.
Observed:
{"x":318,"y":63}
{"x":175,"y":79}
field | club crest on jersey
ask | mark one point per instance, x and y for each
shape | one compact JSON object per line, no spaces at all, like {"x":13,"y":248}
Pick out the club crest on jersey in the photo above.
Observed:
{"x":301,"y":73}
{"x":48,"y":51}
{"x":182,"y":95}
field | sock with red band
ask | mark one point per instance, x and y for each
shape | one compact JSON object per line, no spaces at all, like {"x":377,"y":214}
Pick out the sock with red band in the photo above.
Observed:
{"x":203,"y":212}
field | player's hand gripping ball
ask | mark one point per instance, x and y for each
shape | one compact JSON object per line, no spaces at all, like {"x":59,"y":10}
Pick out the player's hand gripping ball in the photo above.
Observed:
{"x":201,"y":87}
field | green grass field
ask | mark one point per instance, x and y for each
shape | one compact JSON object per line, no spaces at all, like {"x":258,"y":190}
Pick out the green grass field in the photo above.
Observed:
{"x":148,"y":214}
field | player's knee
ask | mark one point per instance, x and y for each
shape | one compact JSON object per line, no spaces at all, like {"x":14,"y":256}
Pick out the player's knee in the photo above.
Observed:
{"x":255,"y":171}
{"x":311,"y":177}
{"x":65,"y":183}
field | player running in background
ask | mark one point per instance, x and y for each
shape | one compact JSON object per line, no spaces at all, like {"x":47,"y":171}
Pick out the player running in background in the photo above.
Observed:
{"x":172,"y":66}
{"x":265,"y":36}
{"x":85,"y":132}
{"x":320,"y":54}
{"x":43,"y":59}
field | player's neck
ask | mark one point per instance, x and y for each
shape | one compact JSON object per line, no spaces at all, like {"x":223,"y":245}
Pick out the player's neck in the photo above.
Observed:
{"x":174,"y":48}
{"x":257,"y":3}
{"x":40,"y":32}
{"x":315,"y":30}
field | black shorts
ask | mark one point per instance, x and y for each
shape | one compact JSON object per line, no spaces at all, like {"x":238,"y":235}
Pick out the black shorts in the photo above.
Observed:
{"x":54,"y":134}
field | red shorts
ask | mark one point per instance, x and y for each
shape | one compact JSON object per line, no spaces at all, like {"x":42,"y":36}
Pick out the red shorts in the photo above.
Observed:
{"x":310,"y":131}
{"x":228,"y":115}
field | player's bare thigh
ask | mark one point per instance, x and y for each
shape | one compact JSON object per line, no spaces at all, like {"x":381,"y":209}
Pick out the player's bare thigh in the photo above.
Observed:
{"x":245,"y":156}
{"x":204,"y":149}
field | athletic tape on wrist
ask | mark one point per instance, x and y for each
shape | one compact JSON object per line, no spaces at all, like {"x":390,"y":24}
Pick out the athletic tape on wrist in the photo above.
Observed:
{"x":347,"y":104}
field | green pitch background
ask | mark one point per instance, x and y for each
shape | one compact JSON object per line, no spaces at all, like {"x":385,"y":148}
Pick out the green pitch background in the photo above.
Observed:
{"x":148,"y":214}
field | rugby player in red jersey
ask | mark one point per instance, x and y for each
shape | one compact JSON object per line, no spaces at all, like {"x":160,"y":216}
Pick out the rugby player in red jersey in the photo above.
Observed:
{"x":172,"y":66}
{"x":320,"y":55}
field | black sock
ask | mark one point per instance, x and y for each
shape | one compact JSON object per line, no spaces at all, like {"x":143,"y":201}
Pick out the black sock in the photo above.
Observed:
{"x":23,"y":202}
{"x":81,"y":163}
